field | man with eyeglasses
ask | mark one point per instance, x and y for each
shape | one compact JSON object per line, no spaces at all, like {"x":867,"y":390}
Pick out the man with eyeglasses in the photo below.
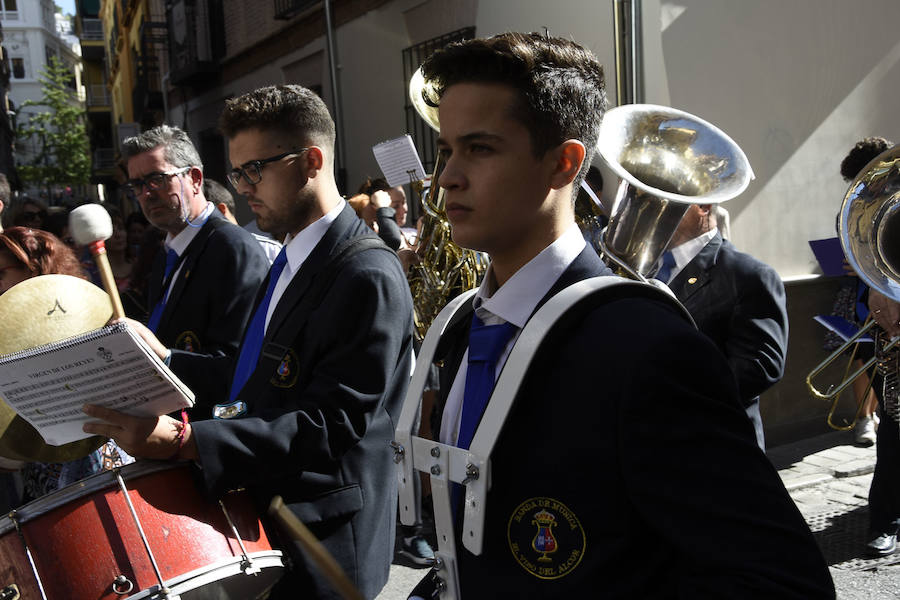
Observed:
{"x":307,"y":410}
{"x":204,"y":281}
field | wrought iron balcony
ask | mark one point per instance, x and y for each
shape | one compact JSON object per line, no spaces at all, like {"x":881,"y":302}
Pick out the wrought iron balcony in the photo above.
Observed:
{"x":97,"y":95}
{"x":91,"y":29}
{"x":104,"y":159}
{"x":196,"y":40}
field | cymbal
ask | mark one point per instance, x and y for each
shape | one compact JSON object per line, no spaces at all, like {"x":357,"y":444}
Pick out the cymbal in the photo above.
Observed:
{"x":40,"y":310}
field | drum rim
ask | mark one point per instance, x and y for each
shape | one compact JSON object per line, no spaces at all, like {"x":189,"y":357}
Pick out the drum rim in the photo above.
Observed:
{"x":90,"y":484}
{"x":265,"y":559}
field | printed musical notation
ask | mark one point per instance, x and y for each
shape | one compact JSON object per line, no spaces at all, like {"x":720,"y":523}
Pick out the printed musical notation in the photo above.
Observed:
{"x":111,"y":367}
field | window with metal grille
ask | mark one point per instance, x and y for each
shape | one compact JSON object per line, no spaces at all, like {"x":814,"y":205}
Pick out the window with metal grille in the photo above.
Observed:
{"x":288,"y":9}
{"x":424,"y":137}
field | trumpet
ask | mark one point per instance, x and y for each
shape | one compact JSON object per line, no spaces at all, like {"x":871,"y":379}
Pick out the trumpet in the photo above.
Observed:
{"x":868,"y":229}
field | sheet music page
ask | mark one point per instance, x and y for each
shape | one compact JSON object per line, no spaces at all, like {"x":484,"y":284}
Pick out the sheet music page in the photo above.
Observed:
{"x":399,"y":160}
{"x":111,"y":367}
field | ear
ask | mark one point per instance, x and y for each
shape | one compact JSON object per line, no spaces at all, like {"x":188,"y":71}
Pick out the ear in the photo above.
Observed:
{"x":315,"y":160}
{"x":196,"y":179}
{"x":222,"y":208}
{"x":569,"y":157}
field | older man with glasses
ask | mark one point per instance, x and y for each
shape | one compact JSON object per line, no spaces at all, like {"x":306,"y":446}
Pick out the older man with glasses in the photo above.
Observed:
{"x":204,"y":281}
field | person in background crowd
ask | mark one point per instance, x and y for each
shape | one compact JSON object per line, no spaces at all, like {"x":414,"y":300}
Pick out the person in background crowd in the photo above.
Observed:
{"x":735,"y":299}
{"x":850,"y":303}
{"x":29,"y":213}
{"x":221,"y":198}
{"x":4,"y":197}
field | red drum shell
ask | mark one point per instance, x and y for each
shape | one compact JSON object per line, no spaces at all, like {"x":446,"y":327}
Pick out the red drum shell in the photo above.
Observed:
{"x":83,"y":537}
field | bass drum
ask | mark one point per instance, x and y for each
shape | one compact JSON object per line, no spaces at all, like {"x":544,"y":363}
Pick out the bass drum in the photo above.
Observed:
{"x":85,"y":541}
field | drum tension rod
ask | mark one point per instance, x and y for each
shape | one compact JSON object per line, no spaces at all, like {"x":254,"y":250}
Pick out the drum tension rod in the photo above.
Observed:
{"x":14,"y":517}
{"x":246,"y":564}
{"x":165,"y":592}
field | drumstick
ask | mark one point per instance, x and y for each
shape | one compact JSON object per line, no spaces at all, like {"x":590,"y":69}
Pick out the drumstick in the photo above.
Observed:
{"x":90,"y":225}
{"x":314,"y":549}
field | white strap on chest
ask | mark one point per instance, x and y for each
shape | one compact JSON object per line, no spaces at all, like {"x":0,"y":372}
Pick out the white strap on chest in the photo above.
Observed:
{"x":472,"y":467}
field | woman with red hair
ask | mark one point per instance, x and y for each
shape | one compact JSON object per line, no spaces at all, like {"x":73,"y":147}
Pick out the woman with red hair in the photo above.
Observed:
{"x":27,"y":253}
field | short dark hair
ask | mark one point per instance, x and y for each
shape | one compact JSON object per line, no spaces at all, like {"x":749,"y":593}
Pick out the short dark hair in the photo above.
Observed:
{"x":560,"y":84}
{"x":179,"y":150}
{"x":862,"y":154}
{"x":291,"y":109}
{"x":370,"y":186}
{"x":217,"y":193}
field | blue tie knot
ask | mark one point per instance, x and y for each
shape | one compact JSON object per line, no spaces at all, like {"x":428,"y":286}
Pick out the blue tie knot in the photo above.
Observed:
{"x":665,"y":271}
{"x":486,"y":342}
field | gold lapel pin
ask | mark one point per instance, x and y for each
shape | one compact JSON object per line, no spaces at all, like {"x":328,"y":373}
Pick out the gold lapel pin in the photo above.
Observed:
{"x":692,"y":280}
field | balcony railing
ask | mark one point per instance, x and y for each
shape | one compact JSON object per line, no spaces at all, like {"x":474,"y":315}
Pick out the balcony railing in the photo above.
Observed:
{"x":97,"y":95}
{"x":91,"y":29}
{"x":104,"y":158}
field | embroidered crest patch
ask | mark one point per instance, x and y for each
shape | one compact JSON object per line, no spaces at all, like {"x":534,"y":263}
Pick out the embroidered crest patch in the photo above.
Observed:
{"x":546,"y":538}
{"x":286,"y":373}
{"x":188,"y":341}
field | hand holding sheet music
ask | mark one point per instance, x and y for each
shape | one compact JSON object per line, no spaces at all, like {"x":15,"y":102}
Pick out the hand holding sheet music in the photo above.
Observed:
{"x":110,"y":367}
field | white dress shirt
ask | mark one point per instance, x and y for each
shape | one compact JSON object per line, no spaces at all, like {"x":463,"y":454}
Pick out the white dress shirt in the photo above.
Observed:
{"x":180,"y":242}
{"x":685,"y":252}
{"x":513,"y":303}
{"x":298,"y":250}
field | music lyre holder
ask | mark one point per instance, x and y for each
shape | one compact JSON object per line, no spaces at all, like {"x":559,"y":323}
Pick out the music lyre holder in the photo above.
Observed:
{"x":472,"y":468}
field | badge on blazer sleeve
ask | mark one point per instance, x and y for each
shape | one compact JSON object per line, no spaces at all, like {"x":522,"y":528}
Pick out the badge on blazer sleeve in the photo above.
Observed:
{"x":286,"y":374}
{"x":188,"y":341}
{"x":546,"y":538}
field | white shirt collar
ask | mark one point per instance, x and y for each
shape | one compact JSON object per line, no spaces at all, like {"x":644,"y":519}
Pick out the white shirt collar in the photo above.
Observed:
{"x":180,"y":242}
{"x":516,"y":299}
{"x":685,"y":252}
{"x":299,"y":247}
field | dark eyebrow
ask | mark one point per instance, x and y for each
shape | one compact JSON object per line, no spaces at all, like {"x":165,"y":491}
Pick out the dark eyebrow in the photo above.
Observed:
{"x":475,"y":136}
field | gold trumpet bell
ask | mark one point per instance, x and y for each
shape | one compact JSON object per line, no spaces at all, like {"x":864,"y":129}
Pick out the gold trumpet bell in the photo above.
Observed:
{"x":667,"y":159}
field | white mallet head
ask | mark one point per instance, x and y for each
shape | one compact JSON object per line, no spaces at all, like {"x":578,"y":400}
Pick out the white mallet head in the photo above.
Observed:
{"x":90,"y":223}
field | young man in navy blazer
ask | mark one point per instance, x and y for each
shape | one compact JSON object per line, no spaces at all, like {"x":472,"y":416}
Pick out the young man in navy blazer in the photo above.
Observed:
{"x":626,"y":467}
{"x":314,"y":418}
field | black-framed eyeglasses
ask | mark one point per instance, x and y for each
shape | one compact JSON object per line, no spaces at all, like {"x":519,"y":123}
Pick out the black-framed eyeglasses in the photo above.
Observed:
{"x":251,"y":171}
{"x":153,"y":181}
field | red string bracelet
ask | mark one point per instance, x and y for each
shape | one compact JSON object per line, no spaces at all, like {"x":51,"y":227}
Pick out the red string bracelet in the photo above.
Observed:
{"x":180,"y":437}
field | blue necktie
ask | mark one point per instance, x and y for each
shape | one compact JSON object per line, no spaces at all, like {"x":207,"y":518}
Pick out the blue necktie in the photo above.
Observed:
{"x":486,"y":343}
{"x":252,"y":345}
{"x":156,"y":315}
{"x":665,"y":271}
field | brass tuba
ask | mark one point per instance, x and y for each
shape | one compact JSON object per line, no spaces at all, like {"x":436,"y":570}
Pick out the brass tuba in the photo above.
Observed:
{"x":445,"y":269}
{"x":869,"y":230}
{"x":667,"y":159}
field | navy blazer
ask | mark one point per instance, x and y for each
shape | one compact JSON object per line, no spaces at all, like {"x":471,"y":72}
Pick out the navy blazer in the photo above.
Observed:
{"x":319,"y":425}
{"x":628,"y":469}
{"x":212,"y":297}
{"x":739,"y":302}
